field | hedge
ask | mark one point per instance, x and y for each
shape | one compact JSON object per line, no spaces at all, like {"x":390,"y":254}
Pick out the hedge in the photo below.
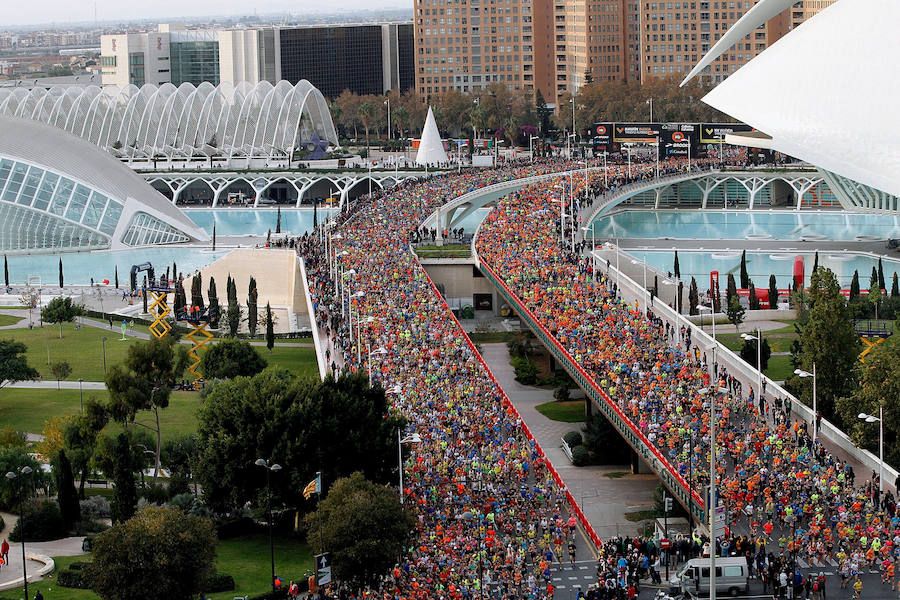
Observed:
{"x":73,"y":578}
{"x":573,"y":439}
{"x":218,"y":582}
{"x":580,"y":456}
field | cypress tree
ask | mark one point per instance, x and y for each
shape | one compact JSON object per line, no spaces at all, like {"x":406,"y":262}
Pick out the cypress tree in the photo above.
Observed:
{"x":676,"y":267}
{"x":6,"y":271}
{"x":881,"y":275}
{"x":693,"y":297}
{"x":174,"y":271}
{"x":252,"y":315}
{"x":117,"y":276}
{"x":854,"y":285}
{"x":895,"y":290}
{"x":61,"y":282}
{"x":124,"y":498}
{"x":731,"y":290}
{"x":753,"y":299}
{"x":197,"y":292}
{"x":816,"y":262}
{"x":67,"y":495}
{"x":773,"y":293}
{"x":213,"y":297}
{"x":745,"y":277}
{"x":315,"y":213}
{"x":234,"y":311}
{"x":214,"y":237}
{"x":873,"y":278}
{"x":270,"y":328}
{"x":278,"y":222}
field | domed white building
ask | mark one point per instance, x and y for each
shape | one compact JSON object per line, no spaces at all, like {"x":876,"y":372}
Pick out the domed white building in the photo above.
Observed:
{"x":59,"y":192}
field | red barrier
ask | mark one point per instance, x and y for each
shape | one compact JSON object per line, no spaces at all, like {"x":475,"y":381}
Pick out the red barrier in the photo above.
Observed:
{"x":509,"y":405}
{"x":663,"y":460}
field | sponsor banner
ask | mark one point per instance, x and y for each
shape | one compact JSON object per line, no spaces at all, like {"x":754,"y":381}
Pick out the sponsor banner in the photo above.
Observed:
{"x":714,"y":133}
{"x":601,"y":136}
{"x":636,"y":132}
{"x":679,"y":139}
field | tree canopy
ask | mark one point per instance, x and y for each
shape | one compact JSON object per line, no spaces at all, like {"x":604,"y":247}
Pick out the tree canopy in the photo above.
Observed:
{"x":364,"y":526}
{"x":61,"y":310}
{"x":231,"y":358}
{"x":159,"y":554}
{"x":337,"y":426}
{"x":13,"y":364}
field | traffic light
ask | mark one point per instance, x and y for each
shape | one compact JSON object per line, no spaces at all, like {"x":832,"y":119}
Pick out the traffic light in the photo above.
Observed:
{"x":668,"y":504}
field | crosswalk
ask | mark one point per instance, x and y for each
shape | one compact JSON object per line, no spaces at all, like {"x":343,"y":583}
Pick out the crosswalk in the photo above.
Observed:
{"x":579,"y":575}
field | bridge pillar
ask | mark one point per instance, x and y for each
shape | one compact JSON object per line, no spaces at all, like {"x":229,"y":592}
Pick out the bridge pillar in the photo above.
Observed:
{"x":638,"y":466}
{"x":439,"y":227}
{"x":658,"y":198}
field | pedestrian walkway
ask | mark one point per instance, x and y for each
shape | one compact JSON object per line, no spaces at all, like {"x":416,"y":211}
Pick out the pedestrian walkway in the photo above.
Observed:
{"x":604,"y":500}
{"x":11,"y":574}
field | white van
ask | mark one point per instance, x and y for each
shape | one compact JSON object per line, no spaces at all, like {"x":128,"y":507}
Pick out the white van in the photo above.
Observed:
{"x":732,"y":577}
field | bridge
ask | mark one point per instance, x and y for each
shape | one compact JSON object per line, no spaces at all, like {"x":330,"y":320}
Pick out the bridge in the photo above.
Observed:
{"x":269,"y":187}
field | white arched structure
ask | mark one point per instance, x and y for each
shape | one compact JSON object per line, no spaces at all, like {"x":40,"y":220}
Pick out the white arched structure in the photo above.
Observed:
{"x":165,"y":122}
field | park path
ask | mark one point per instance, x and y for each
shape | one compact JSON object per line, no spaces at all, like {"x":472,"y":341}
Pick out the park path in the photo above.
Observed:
{"x":11,"y":574}
{"x":604,"y":500}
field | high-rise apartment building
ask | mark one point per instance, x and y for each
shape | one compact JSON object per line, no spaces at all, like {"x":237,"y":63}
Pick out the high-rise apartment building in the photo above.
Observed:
{"x":559,"y":45}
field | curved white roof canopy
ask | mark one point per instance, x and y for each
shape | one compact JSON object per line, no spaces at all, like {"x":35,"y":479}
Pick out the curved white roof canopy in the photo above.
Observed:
{"x":240,"y":120}
{"x":826,"y":92}
{"x":431,"y":148}
{"x":77,"y":184}
{"x":758,"y":15}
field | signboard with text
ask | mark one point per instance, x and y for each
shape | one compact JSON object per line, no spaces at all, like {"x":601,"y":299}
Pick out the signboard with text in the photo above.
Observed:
{"x":679,"y":139}
{"x":601,"y":137}
{"x":647,"y":133}
{"x":714,"y":133}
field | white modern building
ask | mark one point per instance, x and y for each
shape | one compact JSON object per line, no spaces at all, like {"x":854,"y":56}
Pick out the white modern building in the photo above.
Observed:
{"x":60,"y":193}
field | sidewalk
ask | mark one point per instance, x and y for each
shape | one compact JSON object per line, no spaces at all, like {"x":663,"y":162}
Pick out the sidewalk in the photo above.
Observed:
{"x":11,"y":574}
{"x":603,"y":500}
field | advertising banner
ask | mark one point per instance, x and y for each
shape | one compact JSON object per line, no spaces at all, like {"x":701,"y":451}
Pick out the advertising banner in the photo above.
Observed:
{"x":714,"y":133}
{"x":647,"y":133}
{"x":679,"y":139}
{"x":601,"y":136}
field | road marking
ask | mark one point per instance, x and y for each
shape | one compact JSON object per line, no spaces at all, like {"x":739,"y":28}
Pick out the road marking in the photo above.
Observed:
{"x":831,"y":561}
{"x":803,"y":564}
{"x":584,"y":568}
{"x":559,"y":587}
{"x":557,"y":579}
{"x":573,"y":579}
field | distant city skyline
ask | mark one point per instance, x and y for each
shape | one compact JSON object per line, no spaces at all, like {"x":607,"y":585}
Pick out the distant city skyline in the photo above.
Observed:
{"x":60,"y":12}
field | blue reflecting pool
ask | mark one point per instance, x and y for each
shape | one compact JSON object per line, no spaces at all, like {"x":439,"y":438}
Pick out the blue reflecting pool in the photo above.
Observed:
{"x":728,"y":225}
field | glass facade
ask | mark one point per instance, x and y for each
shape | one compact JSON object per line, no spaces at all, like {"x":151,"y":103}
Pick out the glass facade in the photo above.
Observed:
{"x":136,"y":69}
{"x":406,"y":56}
{"x":194,"y":62}
{"x":334,"y":58}
{"x":43,"y":210}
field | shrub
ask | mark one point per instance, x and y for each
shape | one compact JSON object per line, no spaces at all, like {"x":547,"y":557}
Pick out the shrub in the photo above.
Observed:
{"x":580,"y":456}
{"x":154,"y":494}
{"x":561,"y":394}
{"x":178,"y":484}
{"x":94,"y":507}
{"x":190,"y":504}
{"x":573,"y":439}
{"x":73,"y":578}
{"x":42,"y":523}
{"x":79,"y":565}
{"x":218,"y":582}
{"x":89,"y":527}
{"x":526,"y":370}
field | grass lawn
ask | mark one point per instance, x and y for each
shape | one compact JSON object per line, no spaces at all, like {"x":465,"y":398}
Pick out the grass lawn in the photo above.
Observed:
{"x":82,"y":349}
{"x":780,"y":368}
{"x":641,"y":515}
{"x":246,"y":558}
{"x":445,"y":251}
{"x":299,"y":361}
{"x":9,"y":320}
{"x":491,"y":337}
{"x":29,"y":409}
{"x":567,"y":412}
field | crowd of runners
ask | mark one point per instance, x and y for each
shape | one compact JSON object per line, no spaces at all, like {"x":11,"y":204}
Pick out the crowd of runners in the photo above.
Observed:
{"x":492,"y":518}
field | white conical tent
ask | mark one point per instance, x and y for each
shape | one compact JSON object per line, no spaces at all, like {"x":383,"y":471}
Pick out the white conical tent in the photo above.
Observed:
{"x":431,"y":149}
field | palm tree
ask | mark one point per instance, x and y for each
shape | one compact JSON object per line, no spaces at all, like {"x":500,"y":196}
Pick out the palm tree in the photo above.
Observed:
{"x":366,"y":115}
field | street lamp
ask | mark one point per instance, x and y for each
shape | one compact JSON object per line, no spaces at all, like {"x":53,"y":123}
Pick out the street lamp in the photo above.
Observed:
{"x":413,"y":438}
{"x":805,"y":374}
{"x":712,"y":315}
{"x":758,"y":339}
{"x":273,"y":468}
{"x":103,"y":343}
{"x":650,"y":102}
{"x":19,"y":477}
{"x":81,"y":393}
{"x":867,"y":419}
{"x":469,"y":516}
{"x":531,"y":139}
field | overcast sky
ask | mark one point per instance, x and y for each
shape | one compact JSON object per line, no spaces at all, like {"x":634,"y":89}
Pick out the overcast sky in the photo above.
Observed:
{"x":59,"y":12}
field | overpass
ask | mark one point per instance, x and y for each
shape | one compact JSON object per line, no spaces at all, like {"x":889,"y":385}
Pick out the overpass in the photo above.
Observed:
{"x":284,"y":187}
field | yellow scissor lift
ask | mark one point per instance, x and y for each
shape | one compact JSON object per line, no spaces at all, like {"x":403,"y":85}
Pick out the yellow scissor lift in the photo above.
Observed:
{"x":199,"y":336}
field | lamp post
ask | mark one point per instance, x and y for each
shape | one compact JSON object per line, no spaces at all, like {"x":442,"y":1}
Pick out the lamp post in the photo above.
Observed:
{"x":712,"y":315}
{"x":868,"y":419}
{"x":388,"y":102}
{"x":593,"y":249}
{"x":273,"y":468}
{"x":469,"y":516}
{"x":805,"y":374}
{"x":574,"y":138}
{"x":81,"y":393}
{"x":650,"y":102}
{"x":412,"y":438}
{"x":19,"y":477}
{"x":758,"y":338}
{"x":531,"y":139}
{"x":379,"y":352}
{"x":103,"y":343}
{"x":359,"y":323}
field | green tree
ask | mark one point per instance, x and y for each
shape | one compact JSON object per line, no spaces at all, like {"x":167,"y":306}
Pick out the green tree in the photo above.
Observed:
{"x":213,"y":297}
{"x":144,"y":382}
{"x":252,"y":316}
{"x":270,"y":328}
{"x":735,"y":312}
{"x":773,"y":293}
{"x":693,"y":298}
{"x":752,"y":298}
{"x":816,"y":262}
{"x":61,"y":310}
{"x":874,"y":296}
{"x":879,"y":383}
{"x":231,"y":358}
{"x":748,"y":353}
{"x":10,"y":436}
{"x":829,"y":340}
{"x":881,"y":275}
{"x":80,"y":433}
{"x":61,"y":279}
{"x":745,"y":276}
{"x":65,"y":487}
{"x":365,"y":528}
{"x":124,"y":500}
{"x":854,"y":286}
{"x":895,"y":289}
{"x":233,"y":316}
{"x":676,"y":268}
{"x":160,"y":554}
{"x":730,"y":291}
{"x":13,"y":363}
{"x":336,"y":426}
{"x":197,"y":292}
{"x":13,"y":458}
{"x":278,"y":221}
{"x":60,"y":370}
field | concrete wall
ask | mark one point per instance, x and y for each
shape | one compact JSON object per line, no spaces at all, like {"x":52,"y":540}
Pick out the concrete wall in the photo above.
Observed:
{"x":457,"y":278}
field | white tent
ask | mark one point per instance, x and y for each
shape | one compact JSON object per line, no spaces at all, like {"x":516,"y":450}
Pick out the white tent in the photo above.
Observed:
{"x":431,"y":149}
